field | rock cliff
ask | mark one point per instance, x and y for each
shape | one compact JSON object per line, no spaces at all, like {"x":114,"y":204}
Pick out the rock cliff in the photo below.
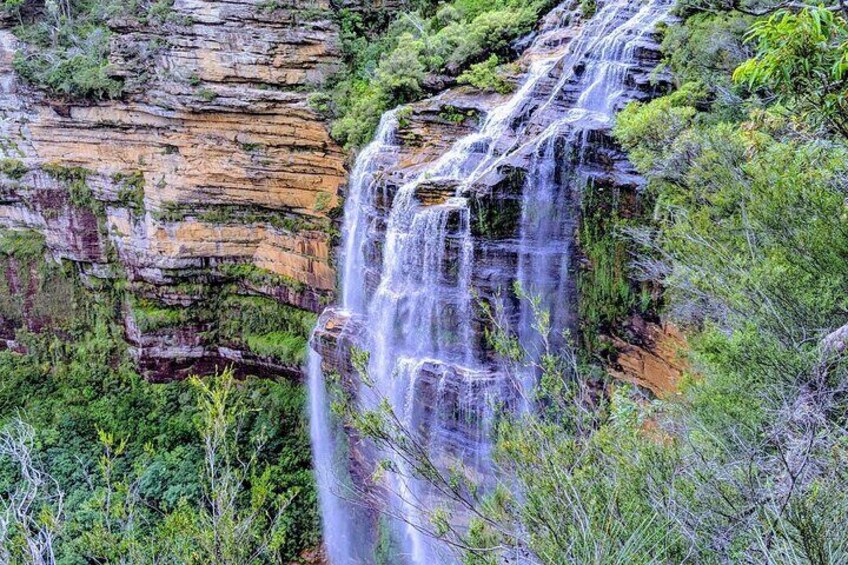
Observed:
{"x":211,"y":180}
{"x":639,"y":348}
{"x":210,"y":190}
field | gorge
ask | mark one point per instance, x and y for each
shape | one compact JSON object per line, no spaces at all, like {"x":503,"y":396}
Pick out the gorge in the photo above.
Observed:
{"x":411,"y":282}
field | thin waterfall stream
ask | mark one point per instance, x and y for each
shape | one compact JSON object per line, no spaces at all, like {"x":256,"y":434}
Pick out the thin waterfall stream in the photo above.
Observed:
{"x":412,"y":301}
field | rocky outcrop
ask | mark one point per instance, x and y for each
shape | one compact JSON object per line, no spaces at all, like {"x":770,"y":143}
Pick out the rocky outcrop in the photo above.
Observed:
{"x":213,"y":176}
{"x":212,"y":170}
{"x":653,"y":358}
{"x":460,"y":200}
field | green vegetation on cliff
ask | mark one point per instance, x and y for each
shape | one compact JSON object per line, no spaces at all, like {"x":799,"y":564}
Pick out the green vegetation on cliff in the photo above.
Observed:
{"x":66,"y":44}
{"x":267,"y":327}
{"x":743,"y":223}
{"x":748,"y":162}
{"x":117,"y":470}
{"x":391,"y":60}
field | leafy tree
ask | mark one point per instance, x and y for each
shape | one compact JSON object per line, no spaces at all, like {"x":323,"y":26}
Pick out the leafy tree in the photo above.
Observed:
{"x":30,"y":515}
{"x":803,"y":59}
{"x":485,"y":76}
{"x":241,"y":516}
{"x":240,"y":519}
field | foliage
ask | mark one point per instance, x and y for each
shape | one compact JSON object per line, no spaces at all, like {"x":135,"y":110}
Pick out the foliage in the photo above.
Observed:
{"x":646,"y":129}
{"x":30,"y":515}
{"x":206,"y":94}
{"x":34,"y":289}
{"x":74,"y":64}
{"x":267,"y":327}
{"x":606,"y":292}
{"x":389,"y":65}
{"x":707,"y":47}
{"x":151,"y":316}
{"x":75,"y":179}
{"x":728,"y":237}
{"x":259,"y":276}
{"x":67,"y":43}
{"x":249,"y":214}
{"x":13,"y":168}
{"x":128,"y":455}
{"x":242,"y":516}
{"x":588,"y":8}
{"x":286,"y":347}
{"x":130,"y":190}
{"x":803,"y":59}
{"x":749,"y":240}
{"x":22,"y":244}
{"x":485,"y":76}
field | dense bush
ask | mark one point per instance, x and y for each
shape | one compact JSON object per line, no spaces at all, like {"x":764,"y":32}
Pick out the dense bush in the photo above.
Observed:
{"x":76,"y":387}
{"x":391,"y":68}
{"x":66,"y":44}
{"x":803,"y":59}
{"x":76,"y":64}
{"x":267,"y":327}
{"x":750,"y":242}
{"x":486,"y":76}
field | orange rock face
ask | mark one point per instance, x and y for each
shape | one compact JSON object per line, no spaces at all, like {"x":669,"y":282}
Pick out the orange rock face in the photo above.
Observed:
{"x":656,"y":363}
{"x":213,"y":156}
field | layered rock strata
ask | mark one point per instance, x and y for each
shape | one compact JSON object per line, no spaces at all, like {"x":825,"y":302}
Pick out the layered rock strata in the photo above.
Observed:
{"x":212,"y":172}
{"x":460,"y":199}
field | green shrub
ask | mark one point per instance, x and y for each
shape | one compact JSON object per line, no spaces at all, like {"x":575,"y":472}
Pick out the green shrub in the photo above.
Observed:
{"x":649,"y":130}
{"x":13,"y":168}
{"x":485,"y":76}
{"x":75,"y":179}
{"x":23,"y":244}
{"x":390,"y":68}
{"x":131,"y":190}
{"x":606,"y":293}
{"x":266,"y":326}
{"x":67,"y":45}
{"x":260,"y":276}
{"x":284,"y":346}
{"x":206,"y":94}
{"x":803,"y":59}
{"x":151,"y":316}
{"x":77,"y":67}
{"x":588,"y":8}
{"x":707,"y":48}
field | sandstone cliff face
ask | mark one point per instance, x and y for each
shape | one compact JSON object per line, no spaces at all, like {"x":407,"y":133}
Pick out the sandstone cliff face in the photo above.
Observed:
{"x":654,"y":357}
{"x":213,"y":181}
{"x":213,"y":170}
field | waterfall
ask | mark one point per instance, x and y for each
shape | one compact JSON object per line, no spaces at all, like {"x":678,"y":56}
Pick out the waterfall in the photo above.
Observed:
{"x":408,"y":276}
{"x":359,"y":209}
{"x":323,"y":433}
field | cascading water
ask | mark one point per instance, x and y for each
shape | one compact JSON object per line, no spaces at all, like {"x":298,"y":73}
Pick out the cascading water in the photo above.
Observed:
{"x":414,"y":295}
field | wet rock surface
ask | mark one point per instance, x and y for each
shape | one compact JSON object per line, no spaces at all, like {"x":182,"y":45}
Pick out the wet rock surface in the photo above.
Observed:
{"x":428,"y":129}
{"x":461,"y":198}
